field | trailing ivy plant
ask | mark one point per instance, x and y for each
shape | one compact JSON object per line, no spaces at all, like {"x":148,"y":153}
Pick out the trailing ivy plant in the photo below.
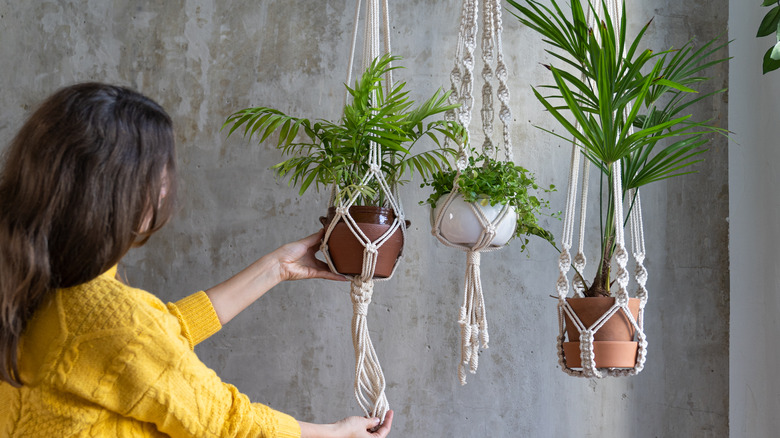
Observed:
{"x":621,"y":102}
{"x":771,"y":25}
{"x":338,"y":152}
{"x":493,"y":182}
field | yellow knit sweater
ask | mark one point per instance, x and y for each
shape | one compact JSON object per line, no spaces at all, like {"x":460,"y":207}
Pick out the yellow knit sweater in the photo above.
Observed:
{"x":105,"y":360}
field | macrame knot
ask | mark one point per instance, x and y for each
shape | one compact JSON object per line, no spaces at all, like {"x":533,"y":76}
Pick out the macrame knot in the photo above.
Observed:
{"x":621,"y":299}
{"x":622,"y":277}
{"x":562,"y":284}
{"x":361,"y":294}
{"x":487,"y":73}
{"x":580,"y":261}
{"x":586,"y":345}
{"x":466,"y":331}
{"x":371,"y":248}
{"x":468,"y":62}
{"x":621,"y":256}
{"x":455,"y":75}
{"x":341,"y":210}
{"x":503,"y":93}
{"x":488,"y":148}
{"x":472,"y":258}
{"x":363,"y":290}
{"x":505,"y":115}
{"x":490,"y":230}
{"x":501,"y":72}
{"x":374,"y":168}
{"x":461,"y":164}
{"x":564,"y":260}
{"x":579,"y":283}
{"x":641,"y":274}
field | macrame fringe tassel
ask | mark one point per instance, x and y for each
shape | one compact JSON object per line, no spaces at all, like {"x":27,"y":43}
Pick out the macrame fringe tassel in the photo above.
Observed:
{"x":472,"y":319}
{"x":369,"y":379}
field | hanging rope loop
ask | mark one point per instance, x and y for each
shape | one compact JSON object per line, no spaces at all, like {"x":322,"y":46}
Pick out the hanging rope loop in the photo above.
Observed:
{"x":369,"y":384}
{"x":472,"y":318}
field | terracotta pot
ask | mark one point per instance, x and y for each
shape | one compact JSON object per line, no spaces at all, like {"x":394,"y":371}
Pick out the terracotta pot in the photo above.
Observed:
{"x":460,"y":224}
{"x":613,"y":345}
{"x":345,"y":249}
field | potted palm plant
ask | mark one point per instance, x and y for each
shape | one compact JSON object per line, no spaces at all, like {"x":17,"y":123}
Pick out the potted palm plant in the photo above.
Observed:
{"x":492,"y":184}
{"x":336,"y":154}
{"x":623,"y":103}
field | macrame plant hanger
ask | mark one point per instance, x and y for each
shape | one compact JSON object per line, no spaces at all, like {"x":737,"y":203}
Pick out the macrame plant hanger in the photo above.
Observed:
{"x":369,"y":379}
{"x":586,"y":340}
{"x":472,"y":318}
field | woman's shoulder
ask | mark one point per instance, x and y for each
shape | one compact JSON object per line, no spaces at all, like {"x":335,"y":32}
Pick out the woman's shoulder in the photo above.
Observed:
{"x":102,"y":316}
{"x":103,"y":303}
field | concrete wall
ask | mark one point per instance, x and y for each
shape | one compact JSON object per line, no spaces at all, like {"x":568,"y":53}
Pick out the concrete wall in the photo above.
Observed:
{"x":203,"y":59}
{"x":754,"y":233}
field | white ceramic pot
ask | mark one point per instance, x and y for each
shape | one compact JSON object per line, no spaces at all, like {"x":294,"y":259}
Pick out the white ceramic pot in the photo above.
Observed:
{"x":460,"y":224}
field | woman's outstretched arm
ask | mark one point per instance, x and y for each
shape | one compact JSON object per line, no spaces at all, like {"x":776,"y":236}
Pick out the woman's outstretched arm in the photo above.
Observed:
{"x":293,"y":261}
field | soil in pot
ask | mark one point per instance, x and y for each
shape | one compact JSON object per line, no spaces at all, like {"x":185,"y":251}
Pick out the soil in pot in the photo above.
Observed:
{"x":345,"y":249}
{"x":614,"y":345}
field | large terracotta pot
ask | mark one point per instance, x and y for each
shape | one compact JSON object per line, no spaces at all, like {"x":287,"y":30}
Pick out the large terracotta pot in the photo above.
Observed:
{"x":345,"y":249}
{"x":460,"y":224}
{"x":614,"y":345}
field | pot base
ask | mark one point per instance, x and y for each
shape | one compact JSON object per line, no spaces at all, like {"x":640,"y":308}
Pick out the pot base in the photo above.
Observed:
{"x":608,"y":354}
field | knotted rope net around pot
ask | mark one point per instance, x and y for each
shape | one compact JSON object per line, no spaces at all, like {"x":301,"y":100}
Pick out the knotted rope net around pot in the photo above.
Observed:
{"x":472,"y":317}
{"x":369,"y":380}
{"x":586,"y":347}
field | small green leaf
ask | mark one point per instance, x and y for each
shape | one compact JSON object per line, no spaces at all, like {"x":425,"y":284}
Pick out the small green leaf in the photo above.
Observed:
{"x":769,"y":63}
{"x":769,"y":23}
{"x":674,"y":85}
{"x":769,"y":2}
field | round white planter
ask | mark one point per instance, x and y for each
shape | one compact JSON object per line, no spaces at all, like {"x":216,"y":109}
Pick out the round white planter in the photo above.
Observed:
{"x":460,"y":224}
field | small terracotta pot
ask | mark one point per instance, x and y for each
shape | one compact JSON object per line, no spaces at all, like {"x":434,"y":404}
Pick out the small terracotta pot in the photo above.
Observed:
{"x":613,"y":345}
{"x":345,"y":249}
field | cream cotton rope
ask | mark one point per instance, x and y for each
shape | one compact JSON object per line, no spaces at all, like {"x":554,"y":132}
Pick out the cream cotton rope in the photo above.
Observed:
{"x":587,"y":355}
{"x":370,"y":382}
{"x":472,"y":316}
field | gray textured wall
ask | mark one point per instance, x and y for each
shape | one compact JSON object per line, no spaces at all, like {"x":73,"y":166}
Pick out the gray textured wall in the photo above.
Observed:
{"x":202,"y":59}
{"x":754,"y":230}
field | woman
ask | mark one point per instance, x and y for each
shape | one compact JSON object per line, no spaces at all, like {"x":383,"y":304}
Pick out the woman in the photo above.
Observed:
{"x":90,"y":175}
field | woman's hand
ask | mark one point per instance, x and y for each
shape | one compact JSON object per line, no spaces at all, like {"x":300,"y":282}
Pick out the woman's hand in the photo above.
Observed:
{"x":351,"y":427}
{"x":296,"y":260}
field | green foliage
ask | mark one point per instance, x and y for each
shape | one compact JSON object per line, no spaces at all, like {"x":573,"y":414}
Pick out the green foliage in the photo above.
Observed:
{"x":339,"y":152}
{"x":771,"y":25}
{"x":620,"y":102}
{"x":494,"y":182}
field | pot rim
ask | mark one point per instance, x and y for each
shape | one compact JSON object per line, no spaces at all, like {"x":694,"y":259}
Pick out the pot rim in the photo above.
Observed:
{"x":365,"y":209}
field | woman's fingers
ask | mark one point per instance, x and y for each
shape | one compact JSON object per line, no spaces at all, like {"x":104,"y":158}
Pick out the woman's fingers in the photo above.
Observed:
{"x":384,"y":429}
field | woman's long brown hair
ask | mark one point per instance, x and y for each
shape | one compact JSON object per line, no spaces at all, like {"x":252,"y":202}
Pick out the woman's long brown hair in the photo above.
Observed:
{"x":90,"y":174}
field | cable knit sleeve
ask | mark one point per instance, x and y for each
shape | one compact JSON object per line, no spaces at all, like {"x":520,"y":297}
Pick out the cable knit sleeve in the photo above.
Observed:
{"x":197,"y":317}
{"x":143,"y":368}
